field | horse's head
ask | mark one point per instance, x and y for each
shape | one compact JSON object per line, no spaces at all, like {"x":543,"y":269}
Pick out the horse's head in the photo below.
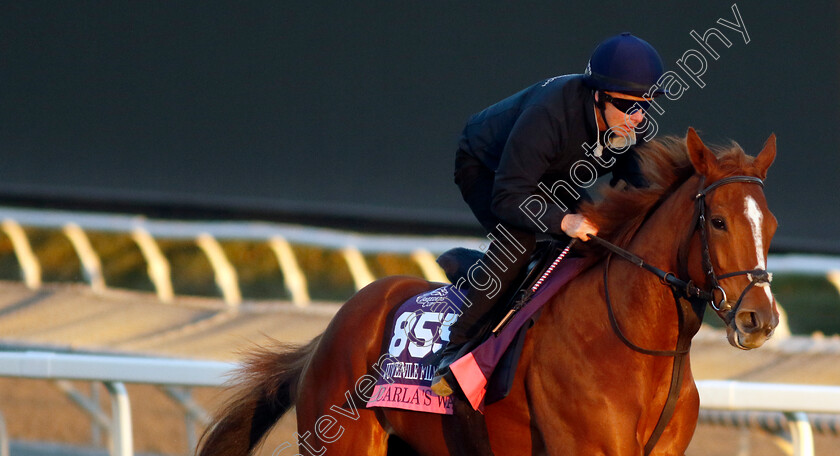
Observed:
{"x":738,"y":228}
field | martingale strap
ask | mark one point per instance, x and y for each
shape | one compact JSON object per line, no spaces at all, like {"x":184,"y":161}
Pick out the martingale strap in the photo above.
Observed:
{"x":691,"y":305}
{"x":678,"y":293}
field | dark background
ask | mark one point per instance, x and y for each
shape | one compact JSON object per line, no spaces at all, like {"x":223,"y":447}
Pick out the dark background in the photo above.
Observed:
{"x":348,"y":113}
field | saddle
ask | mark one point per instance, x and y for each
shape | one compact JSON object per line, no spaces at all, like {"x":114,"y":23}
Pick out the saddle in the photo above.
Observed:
{"x":486,"y":370}
{"x":456,"y":263}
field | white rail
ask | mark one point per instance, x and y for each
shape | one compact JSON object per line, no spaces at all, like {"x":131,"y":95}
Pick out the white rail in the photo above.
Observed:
{"x":109,"y":368}
{"x":280,"y":237}
{"x":115,"y":371}
{"x":793,"y":400}
{"x":735,"y":395}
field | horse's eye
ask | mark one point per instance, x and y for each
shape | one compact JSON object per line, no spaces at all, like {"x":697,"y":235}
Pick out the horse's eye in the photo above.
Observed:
{"x":718,"y":223}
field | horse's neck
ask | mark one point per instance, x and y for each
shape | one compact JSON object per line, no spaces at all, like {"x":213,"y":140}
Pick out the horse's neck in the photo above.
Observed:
{"x":646,"y":309}
{"x":659,"y":239}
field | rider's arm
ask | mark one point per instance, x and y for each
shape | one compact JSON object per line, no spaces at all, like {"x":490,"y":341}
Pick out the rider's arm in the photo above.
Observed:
{"x":529,"y":151}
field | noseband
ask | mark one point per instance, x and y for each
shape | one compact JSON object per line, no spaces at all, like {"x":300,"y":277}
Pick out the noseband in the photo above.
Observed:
{"x":691,"y":307}
{"x":755,"y":276}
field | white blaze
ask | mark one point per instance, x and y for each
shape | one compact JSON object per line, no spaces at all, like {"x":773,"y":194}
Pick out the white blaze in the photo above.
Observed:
{"x":755,"y":217}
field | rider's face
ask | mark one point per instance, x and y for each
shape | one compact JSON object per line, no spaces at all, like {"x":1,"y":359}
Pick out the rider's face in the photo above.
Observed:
{"x":617,"y":119}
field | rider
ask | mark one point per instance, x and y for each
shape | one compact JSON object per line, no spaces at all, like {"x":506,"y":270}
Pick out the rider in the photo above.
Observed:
{"x":531,"y":149}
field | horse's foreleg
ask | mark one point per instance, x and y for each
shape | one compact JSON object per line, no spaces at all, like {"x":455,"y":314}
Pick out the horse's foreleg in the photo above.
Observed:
{"x":677,"y":436}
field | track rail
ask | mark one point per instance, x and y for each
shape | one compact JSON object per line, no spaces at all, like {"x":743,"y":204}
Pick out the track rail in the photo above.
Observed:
{"x":280,"y":237}
{"x":716,"y":397}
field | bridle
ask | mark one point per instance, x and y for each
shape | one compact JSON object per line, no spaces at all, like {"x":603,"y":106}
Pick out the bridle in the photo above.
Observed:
{"x":687,"y":289}
{"x":755,"y":276}
{"x":690,"y":300}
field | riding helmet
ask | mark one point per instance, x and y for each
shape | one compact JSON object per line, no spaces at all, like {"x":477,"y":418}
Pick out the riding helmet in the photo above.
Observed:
{"x":624,"y":63}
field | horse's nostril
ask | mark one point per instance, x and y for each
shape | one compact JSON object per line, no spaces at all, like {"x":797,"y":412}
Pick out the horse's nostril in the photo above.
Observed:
{"x":747,"y":321}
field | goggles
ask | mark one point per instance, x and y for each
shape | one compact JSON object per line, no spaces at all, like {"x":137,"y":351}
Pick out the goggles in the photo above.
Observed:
{"x":626,"y":106}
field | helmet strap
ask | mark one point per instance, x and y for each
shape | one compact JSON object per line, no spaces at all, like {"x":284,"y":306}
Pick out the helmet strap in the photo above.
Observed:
{"x":599,"y":139}
{"x":604,"y":136}
{"x":600,"y":103}
{"x":602,"y":108}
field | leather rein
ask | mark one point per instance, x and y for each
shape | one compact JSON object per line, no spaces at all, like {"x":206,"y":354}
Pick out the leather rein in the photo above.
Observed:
{"x":689,"y":299}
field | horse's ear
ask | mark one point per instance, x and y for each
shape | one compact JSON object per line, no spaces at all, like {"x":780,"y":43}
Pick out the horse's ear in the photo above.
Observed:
{"x":702,"y":158}
{"x":766,"y":156}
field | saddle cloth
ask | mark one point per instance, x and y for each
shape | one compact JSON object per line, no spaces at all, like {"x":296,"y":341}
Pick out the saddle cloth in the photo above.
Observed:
{"x":420,"y":327}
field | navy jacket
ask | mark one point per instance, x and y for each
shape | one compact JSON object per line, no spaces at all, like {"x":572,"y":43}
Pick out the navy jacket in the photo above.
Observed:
{"x":535,"y":136}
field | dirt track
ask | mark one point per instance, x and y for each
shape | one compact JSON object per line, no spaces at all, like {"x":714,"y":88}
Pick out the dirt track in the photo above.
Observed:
{"x":71,"y":316}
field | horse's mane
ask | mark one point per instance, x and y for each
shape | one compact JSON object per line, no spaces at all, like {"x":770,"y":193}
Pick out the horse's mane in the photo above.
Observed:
{"x":666,"y":166}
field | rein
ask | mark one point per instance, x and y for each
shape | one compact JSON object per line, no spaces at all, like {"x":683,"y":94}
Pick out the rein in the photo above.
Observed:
{"x":689,"y":299}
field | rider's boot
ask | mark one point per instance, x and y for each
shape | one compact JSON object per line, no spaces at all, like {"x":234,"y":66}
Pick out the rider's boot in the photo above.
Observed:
{"x":477,"y":313}
{"x":463,"y":336}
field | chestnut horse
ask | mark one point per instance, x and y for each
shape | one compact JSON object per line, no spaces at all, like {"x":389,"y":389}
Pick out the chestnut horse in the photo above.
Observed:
{"x":579,"y":388}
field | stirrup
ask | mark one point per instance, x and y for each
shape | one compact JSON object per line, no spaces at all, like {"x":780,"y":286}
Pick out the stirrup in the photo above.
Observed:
{"x":441,"y":386}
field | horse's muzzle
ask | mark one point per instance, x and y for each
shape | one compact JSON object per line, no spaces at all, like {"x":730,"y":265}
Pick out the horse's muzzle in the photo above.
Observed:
{"x":752,"y":325}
